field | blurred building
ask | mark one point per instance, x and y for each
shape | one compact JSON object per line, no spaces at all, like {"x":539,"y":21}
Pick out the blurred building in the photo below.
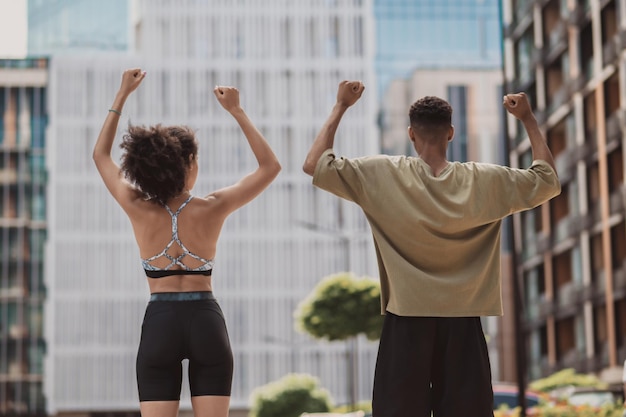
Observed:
{"x":569,"y":57}
{"x":287,"y":58}
{"x":70,"y":26}
{"x":23,"y":119}
{"x":413,"y":34}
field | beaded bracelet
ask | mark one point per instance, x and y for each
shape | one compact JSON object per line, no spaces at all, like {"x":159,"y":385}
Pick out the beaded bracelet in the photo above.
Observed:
{"x":116,"y":111}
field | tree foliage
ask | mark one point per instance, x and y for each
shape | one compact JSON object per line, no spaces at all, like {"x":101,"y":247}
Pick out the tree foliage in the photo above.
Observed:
{"x":290,"y":396}
{"x":341,"y":306}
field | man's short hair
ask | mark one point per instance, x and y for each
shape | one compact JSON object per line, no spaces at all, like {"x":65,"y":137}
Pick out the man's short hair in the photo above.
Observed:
{"x":430,"y":112}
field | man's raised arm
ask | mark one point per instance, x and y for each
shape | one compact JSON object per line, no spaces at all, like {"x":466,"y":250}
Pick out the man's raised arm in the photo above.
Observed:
{"x":519,"y":106}
{"x":348,"y":93}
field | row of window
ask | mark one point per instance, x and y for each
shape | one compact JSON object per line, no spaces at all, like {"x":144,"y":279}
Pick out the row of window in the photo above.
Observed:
{"x":570,"y":338}
{"x":265,"y":37}
{"x":23,"y":117}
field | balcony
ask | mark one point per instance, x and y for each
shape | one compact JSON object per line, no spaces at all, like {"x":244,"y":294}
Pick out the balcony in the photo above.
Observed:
{"x":599,"y":285}
{"x":591,"y":145}
{"x":617,"y":200}
{"x":8,"y":176}
{"x":18,"y":331}
{"x":542,"y":243}
{"x":569,"y":297}
{"x":610,"y":52}
{"x":522,"y":19}
{"x":563,"y":230}
{"x":566,"y":163}
{"x":573,"y":359}
{"x":546,"y":308}
{"x":619,"y":282}
{"x":560,"y":97}
{"x":12,"y":293}
{"x":577,"y":224}
{"x":15,"y":149}
{"x":557,"y":42}
{"x":580,"y":15}
{"x":536,"y":310}
{"x":577,"y":84}
{"x":613,"y":127}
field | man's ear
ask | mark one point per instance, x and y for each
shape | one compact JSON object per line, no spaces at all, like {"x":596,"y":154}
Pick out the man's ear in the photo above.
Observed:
{"x":451,"y":133}
{"x":411,"y":133}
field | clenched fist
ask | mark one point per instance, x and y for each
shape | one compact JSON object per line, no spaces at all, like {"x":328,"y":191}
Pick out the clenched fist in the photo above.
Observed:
{"x":228,"y":97}
{"x":518,"y":105}
{"x":349,"y":92}
{"x":131,"y":78}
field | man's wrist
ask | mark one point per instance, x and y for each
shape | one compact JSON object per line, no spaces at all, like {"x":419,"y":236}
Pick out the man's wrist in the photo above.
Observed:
{"x":341,"y":106}
{"x":529,"y":120}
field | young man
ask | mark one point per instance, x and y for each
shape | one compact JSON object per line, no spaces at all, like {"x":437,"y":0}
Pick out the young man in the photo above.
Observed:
{"x":436,"y":229}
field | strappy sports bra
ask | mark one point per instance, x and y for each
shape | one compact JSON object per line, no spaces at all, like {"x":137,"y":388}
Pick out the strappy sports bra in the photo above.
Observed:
{"x":155,"y":272}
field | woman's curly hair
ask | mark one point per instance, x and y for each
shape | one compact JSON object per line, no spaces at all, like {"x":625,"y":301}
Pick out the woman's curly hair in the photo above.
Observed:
{"x":156,"y":159}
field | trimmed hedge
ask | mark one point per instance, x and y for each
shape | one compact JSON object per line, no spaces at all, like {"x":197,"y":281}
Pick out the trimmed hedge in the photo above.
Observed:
{"x":290,"y":396}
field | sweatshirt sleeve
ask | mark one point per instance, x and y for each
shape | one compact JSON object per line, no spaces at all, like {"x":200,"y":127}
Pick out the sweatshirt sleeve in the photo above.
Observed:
{"x":524,"y":189}
{"x":339,"y":176}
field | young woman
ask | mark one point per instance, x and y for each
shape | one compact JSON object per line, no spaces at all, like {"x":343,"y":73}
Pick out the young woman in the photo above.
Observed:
{"x":177,"y":236}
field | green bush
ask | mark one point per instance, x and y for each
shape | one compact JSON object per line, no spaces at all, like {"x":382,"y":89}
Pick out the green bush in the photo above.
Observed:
{"x":564,"y":411}
{"x":365,"y":406}
{"x":341,"y":306}
{"x":564,"y":378}
{"x":290,"y":396}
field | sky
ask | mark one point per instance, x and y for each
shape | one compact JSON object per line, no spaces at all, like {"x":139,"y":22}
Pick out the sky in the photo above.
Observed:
{"x":12,"y":28}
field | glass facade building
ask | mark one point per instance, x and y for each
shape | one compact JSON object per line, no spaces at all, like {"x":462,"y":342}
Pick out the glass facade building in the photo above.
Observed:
{"x":412,"y":34}
{"x":69,"y":26}
{"x":569,"y":57}
{"x":23,"y":121}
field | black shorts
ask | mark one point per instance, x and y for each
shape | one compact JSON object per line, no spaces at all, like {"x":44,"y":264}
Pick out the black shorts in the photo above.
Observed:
{"x":432,"y":364}
{"x":187,"y":328}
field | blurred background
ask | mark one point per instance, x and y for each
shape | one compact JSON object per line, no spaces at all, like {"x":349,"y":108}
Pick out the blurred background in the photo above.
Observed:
{"x":72,"y":291}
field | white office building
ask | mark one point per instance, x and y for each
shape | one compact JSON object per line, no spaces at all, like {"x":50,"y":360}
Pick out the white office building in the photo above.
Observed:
{"x":287,"y":58}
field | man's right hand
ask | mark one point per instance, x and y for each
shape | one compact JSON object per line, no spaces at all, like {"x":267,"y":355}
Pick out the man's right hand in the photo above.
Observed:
{"x":518,"y":105}
{"x":349,"y":92}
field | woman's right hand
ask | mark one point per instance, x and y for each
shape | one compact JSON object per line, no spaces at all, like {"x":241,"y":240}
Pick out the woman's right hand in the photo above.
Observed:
{"x":131,"y":78}
{"x":228,"y":97}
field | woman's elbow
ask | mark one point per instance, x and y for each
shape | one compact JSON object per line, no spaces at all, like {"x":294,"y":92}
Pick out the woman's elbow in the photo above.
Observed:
{"x":277,"y":168}
{"x":96,"y":156}
{"x":273,"y":169}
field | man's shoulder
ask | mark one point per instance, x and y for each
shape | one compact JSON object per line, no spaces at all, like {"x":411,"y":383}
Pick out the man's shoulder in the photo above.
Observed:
{"x":473,"y":166}
{"x":380,"y":160}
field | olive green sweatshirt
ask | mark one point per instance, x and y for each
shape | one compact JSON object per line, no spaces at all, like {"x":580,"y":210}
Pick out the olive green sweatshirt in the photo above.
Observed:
{"x":437,"y":239}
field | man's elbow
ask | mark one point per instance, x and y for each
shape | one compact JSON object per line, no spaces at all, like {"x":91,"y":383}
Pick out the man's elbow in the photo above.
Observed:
{"x":308,"y":167}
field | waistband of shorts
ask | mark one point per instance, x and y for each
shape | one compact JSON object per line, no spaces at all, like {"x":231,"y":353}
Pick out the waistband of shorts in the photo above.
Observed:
{"x":182,"y":296}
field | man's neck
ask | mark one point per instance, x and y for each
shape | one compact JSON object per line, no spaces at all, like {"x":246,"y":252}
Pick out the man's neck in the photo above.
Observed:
{"x":435,"y":158}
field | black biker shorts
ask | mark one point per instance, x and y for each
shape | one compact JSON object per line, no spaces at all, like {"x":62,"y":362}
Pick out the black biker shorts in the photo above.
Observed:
{"x":179,"y":326}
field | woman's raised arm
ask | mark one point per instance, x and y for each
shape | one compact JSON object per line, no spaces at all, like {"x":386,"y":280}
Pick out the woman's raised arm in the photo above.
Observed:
{"x":253,"y":184}
{"x":121,"y":190}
